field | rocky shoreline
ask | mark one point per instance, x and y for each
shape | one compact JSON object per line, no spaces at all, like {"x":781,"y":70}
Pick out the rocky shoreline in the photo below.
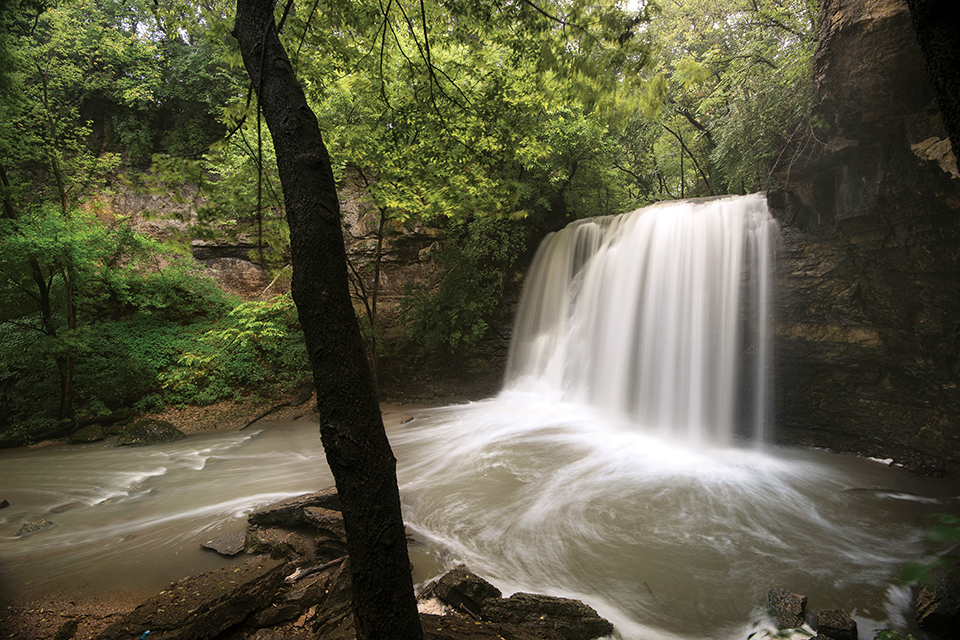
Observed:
{"x":296,"y":584}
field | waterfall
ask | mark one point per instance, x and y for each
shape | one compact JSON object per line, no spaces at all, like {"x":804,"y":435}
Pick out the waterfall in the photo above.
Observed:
{"x":661,"y":315}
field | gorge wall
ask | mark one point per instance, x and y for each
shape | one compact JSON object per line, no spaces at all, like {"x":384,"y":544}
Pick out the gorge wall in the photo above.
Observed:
{"x":868,"y":331}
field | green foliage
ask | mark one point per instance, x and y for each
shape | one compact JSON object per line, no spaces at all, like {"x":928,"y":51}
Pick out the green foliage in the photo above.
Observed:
{"x":71,"y":59}
{"x":945,"y":530}
{"x":889,"y":634}
{"x":257,"y":346}
{"x":452,"y":314}
{"x":729,"y":90}
{"x":472,"y":110}
{"x":128,"y":315}
{"x":179,"y":291}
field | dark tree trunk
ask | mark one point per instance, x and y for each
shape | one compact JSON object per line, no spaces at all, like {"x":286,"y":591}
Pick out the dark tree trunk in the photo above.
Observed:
{"x":350,"y":424}
{"x":936,"y":24}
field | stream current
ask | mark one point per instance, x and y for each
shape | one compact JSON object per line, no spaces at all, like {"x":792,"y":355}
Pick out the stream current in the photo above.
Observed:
{"x":536,"y":496}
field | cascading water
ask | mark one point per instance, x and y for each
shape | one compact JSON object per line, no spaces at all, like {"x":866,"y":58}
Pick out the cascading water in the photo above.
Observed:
{"x":661,"y":315}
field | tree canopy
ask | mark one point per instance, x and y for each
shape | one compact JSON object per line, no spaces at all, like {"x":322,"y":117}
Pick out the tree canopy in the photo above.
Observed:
{"x":490,"y":123}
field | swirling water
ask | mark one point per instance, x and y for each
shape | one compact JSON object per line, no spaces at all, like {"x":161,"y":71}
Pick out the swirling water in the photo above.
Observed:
{"x":535,"y":495}
{"x":130,"y":520}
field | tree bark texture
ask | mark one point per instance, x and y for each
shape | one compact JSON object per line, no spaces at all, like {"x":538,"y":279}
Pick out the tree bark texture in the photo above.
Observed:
{"x":936,"y":24}
{"x":351,"y":427}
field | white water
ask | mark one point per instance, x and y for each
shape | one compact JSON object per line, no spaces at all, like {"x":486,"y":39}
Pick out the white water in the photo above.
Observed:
{"x":661,"y":315}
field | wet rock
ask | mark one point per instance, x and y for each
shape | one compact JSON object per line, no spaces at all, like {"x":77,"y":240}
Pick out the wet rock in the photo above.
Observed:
{"x":566,"y":618}
{"x":36,"y":526}
{"x":279,"y":543}
{"x":149,"y":432}
{"x":295,"y":546}
{"x":836,"y":624}
{"x":67,"y":630}
{"x":308,"y":592}
{"x":289,"y":512}
{"x":66,"y":507}
{"x":867,"y":274}
{"x":561,"y":617}
{"x":227,"y":545}
{"x":787,"y":607}
{"x":203,"y":606}
{"x":300,"y":600}
{"x":327,"y":549}
{"x":274,"y":615}
{"x":437,"y":627}
{"x":465,"y":591}
{"x":91,"y":433}
{"x":4,"y":504}
{"x":328,"y":521}
{"x":938,"y":601}
{"x":334,"y":620}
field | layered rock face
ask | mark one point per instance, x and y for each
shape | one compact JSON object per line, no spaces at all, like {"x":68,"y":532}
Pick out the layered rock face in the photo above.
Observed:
{"x":868,"y":331}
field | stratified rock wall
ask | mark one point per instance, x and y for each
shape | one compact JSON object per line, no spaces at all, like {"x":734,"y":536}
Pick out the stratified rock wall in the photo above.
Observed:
{"x":868,"y":333}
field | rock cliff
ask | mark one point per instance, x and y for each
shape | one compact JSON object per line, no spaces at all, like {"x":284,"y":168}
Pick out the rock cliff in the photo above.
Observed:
{"x":868,"y":331}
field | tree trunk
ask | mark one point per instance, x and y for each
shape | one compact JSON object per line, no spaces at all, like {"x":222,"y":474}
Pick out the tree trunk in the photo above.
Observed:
{"x":8,"y":211}
{"x":351,"y":427}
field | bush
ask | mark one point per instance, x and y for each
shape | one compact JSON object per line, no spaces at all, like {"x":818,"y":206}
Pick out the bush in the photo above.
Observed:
{"x":258,"y":345}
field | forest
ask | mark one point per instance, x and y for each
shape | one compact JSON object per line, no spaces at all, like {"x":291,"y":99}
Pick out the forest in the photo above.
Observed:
{"x":491,"y":124}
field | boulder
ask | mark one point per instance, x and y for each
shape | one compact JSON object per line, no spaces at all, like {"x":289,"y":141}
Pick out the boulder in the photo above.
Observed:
{"x":836,"y":624}
{"x":36,"y":526}
{"x":465,"y":591}
{"x":328,"y":521}
{"x":279,"y":543}
{"x":203,"y":606}
{"x":437,"y":627}
{"x":66,"y":507}
{"x":227,"y":545}
{"x":334,"y":620}
{"x":938,"y":601}
{"x":4,"y":504}
{"x":787,"y":607}
{"x":567,"y":619}
{"x":558,"y":617}
{"x":91,"y":433}
{"x":149,"y":432}
{"x":289,"y":512}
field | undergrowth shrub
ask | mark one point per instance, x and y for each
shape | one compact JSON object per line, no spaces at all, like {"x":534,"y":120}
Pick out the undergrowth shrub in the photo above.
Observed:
{"x":257,"y":347}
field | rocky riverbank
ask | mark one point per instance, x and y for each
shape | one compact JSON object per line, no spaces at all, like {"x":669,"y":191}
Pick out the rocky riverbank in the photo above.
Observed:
{"x":295,"y":584}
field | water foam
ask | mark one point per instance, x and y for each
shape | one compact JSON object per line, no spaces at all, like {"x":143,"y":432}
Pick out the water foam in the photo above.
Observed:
{"x":661,"y":315}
